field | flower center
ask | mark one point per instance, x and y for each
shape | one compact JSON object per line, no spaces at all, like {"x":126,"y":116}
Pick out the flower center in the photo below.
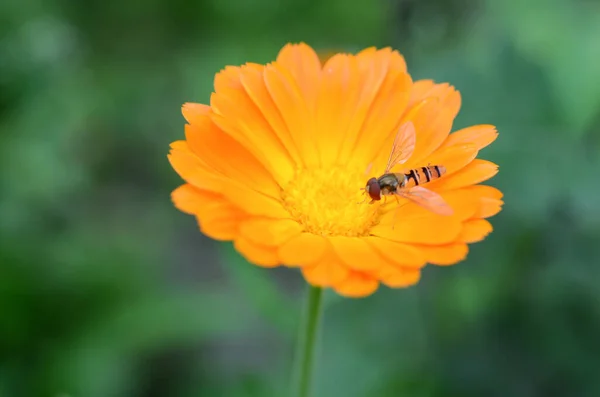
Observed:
{"x":326,"y":202}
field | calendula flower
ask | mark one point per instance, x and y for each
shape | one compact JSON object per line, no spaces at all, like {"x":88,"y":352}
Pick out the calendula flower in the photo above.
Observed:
{"x":277,"y":161}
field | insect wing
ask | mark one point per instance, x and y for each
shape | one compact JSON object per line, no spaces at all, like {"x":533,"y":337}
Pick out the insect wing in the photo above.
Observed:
{"x":403,"y":146}
{"x":426,"y":199}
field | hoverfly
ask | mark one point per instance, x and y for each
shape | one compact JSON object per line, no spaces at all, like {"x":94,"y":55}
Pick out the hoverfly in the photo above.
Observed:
{"x":407,"y":184}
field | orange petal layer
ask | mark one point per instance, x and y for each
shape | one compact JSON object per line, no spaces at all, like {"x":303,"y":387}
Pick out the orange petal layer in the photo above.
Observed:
{"x":477,"y":171}
{"x":193,"y":112}
{"x":326,"y":273}
{"x":217,"y":218}
{"x":236,"y":114}
{"x":356,"y":285}
{"x":305,"y":67}
{"x":253,"y":202}
{"x":420,"y":89}
{"x":252,"y":80}
{"x":227,"y":157}
{"x":337,"y":102}
{"x":462,"y":203}
{"x":444,"y":255}
{"x":488,"y":208}
{"x":478,"y":135}
{"x":398,"y":253}
{"x":220,"y":220}
{"x":384,"y":116}
{"x":452,"y":156}
{"x":475,"y":230}
{"x":433,"y":129}
{"x":303,"y":249}
{"x":428,"y":230}
{"x":355,"y":252}
{"x":190,"y":200}
{"x":269,"y":232}
{"x":395,"y":277}
{"x":489,"y":200}
{"x":191,"y":168}
{"x":255,"y":253}
{"x":379,"y":72}
{"x":299,"y":119}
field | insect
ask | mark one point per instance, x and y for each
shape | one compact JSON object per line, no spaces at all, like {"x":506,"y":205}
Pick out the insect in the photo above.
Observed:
{"x":407,"y":184}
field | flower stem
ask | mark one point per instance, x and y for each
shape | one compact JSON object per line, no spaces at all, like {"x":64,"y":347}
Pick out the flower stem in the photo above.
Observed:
{"x":307,"y":343}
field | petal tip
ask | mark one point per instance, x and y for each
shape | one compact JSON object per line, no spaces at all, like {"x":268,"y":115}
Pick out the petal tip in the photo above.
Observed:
{"x":191,"y":111}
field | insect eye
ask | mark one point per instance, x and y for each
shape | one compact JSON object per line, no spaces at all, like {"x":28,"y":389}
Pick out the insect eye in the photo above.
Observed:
{"x":374,"y":189}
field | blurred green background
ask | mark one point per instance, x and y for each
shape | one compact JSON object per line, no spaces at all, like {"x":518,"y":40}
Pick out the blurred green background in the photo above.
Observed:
{"x":107,"y":291}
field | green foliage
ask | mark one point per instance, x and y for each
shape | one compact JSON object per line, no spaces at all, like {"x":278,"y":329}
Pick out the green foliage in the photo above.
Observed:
{"x":106,"y":290}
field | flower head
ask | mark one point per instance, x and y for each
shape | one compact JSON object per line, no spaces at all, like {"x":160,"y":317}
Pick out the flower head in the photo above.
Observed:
{"x":277,"y":161}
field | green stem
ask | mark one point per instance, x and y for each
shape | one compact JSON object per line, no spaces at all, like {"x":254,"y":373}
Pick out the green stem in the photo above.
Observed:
{"x":307,"y":343}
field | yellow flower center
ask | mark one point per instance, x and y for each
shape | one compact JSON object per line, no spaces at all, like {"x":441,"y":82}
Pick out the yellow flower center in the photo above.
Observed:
{"x":329,"y":202}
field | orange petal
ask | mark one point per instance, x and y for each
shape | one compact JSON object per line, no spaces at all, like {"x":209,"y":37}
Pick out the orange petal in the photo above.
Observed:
{"x":488,"y":208}
{"x":466,"y":203}
{"x":269,"y":232}
{"x":355,"y":252}
{"x":453,"y":157}
{"x":420,"y":89}
{"x":238,"y":116}
{"x":395,"y":277}
{"x":192,"y":112}
{"x":254,"y":83}
{"x":397,"y":62}
{"x":432,"y":130}
{"x":427,"y":230}
{"x":306,"y":248}
{"x":429,"y":89}
{"x":371,"y":56}
{"x":384,"y":116}
{"x":326,"y":273}
{"x":223,"y":230}
{"x":257,"y":254}
{"x":485,"y":191}
{"x":398,"y":253}
{"x":475,"y":230}
{"x":188,"y":199}
{"x":432,"y":111}
{"x":305,"y":67}
{"x":356,"y":285}
{"x":217,"y":217}
{"x":337,"y":102}
{"x":421,"y":116}
{"x":228,"y":157}
{"x":461,"y":147}
{"x":489,"y":200}
{"x":373,"y":67}
{"x":191,"y":168}
{"x":227,"y":78}
{"x":253,"y":202}
{"x":475,"y":172}
{"x":294,"y":110}
{"x":463,"y":204}
{"x":444,"y":255}
{"x":478,"y":135}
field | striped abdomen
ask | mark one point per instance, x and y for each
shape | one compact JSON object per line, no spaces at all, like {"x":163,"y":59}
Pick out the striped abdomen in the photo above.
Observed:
{"x":419,"y":176}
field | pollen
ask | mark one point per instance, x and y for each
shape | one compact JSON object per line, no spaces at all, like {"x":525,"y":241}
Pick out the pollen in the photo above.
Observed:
{"x":330,"y":202}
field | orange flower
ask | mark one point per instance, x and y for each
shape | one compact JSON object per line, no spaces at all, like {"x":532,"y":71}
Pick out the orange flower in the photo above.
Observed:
{"x":276,"y":162}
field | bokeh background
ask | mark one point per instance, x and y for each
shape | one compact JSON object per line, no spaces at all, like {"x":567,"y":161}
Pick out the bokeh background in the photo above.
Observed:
{"x":107,"y":291}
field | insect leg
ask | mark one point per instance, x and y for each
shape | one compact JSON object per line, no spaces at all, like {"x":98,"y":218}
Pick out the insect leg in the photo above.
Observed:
{"x":395,"y":211}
